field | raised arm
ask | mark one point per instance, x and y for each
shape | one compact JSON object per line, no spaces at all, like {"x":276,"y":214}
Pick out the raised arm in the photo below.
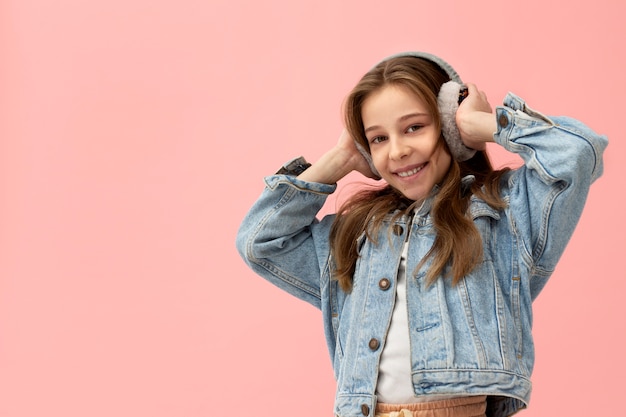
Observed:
{"x":562,"y":157}
{"x":281,"y":239}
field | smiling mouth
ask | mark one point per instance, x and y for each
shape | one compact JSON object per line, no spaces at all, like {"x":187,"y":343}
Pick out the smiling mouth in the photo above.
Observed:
{"x":410,"y":172}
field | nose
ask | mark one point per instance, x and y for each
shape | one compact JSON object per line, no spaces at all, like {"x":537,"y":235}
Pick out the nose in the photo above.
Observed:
{"x":397,"y":148}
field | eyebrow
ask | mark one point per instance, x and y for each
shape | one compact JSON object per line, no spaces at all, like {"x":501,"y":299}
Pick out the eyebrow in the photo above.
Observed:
{"x":401,"y":119}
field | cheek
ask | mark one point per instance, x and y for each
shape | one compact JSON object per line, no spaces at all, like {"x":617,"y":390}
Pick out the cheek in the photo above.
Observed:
{"x":444,"y":160}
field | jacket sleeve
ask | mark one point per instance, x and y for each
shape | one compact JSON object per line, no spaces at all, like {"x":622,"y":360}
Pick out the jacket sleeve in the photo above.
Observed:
{"x":562,"y":157}
{"x":281,"y":239}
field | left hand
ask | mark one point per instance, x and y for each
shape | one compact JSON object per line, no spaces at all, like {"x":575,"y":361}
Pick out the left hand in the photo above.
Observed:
{"x":475,"y":119}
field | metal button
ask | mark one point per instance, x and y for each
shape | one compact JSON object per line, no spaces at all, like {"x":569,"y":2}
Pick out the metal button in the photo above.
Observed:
{"x":503,"y":121}
{"x":374,"y":344}
{"x":365,"y":409}
{"x":398,"y":230}
{"x":384,"y":284}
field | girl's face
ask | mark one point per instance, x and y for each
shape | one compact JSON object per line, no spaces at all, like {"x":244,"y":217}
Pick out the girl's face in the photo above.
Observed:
{"x":404,"y":141}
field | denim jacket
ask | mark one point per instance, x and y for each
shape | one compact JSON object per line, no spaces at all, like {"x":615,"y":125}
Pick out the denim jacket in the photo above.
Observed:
{"x":473,"y":338}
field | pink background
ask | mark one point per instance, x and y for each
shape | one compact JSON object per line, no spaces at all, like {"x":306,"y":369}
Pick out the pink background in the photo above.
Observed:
{"x":134,"y":135}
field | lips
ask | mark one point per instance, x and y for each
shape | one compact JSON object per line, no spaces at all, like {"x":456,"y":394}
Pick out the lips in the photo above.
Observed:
{"x":410,"y":172}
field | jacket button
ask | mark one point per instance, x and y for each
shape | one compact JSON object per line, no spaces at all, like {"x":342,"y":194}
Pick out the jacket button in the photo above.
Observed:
{"x":398,"y":230}
{"x":503,"y":121}
{"x":384,"y":284}
{"x":374,"y":344}
{"x":365,"y":409}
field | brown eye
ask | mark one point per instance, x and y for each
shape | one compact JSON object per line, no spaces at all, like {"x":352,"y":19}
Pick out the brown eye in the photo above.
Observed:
{"x":414,"y":128}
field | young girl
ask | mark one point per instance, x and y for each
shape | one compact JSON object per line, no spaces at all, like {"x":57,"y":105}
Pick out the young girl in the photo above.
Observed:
{"x":426,"y":283}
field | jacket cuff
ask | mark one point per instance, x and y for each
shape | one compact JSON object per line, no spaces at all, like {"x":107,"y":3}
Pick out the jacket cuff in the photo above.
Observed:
{"x":294,"y":167}
{"x":274,"y":181}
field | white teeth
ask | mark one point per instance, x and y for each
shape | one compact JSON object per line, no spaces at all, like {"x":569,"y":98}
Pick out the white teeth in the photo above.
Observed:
{"x":411,"y":172}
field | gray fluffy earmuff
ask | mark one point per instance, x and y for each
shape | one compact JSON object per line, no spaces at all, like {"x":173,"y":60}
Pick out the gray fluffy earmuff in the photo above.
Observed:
{"x":448,"y":103}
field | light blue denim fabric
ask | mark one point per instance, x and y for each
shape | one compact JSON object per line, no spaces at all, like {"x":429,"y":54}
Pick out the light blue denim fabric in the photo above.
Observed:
{"x":470,"y":339}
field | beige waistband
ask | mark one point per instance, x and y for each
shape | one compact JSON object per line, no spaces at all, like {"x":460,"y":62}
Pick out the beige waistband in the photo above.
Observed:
{"x":457,"y":407}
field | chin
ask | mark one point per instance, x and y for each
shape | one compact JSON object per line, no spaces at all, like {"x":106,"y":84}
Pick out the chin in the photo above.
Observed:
{"x":414,"y":195}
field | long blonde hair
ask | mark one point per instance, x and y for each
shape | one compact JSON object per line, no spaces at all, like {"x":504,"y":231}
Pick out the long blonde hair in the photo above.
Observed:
{"x":457,"y":240}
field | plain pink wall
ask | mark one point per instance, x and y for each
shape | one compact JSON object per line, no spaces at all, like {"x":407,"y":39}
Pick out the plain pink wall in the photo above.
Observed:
{"x":134,"y":135}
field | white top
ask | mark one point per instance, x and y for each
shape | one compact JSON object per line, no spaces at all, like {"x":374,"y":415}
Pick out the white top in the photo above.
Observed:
{"x":394,"y":384}
{"x":394,"y":372}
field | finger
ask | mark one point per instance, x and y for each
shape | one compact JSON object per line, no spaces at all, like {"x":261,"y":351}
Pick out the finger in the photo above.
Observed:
{"x":472,"y":89}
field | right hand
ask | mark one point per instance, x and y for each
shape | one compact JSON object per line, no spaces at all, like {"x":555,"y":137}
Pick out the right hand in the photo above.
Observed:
{"x":338,"y":162}
{"x":356,"y":161}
